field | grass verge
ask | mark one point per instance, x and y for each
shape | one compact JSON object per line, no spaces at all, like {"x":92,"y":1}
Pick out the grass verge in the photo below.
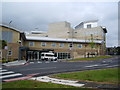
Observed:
{"x":34,"y":84}
{"x":104,"y":75}
{"x":91,"y":58}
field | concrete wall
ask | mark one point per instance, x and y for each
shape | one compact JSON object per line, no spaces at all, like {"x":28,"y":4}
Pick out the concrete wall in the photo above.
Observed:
{"x":97,"y":33}
{"x":59,"y":30}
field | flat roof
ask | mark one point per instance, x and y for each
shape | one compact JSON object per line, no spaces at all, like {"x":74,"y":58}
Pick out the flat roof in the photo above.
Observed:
{"x":37,"y":38}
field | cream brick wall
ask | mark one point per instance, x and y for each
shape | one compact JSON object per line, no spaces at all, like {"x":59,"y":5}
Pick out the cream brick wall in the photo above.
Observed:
{"x":16,"y":34}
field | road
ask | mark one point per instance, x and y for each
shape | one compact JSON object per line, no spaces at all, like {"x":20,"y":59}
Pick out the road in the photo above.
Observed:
{"x":47,"y":68}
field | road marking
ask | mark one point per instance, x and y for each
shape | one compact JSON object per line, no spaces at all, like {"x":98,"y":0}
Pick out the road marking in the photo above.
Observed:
{"x":105,"y":64}
{"x":112,"y":66}
{"x":39,"y":62}
{"x":39,"y":68}
{"x":92,"y":65}
{"x":31,"y":62}
{"x":2,"y":70}
{"x":12,"y":75}
{"x":47,"y":62}
{"x":7,"y":72}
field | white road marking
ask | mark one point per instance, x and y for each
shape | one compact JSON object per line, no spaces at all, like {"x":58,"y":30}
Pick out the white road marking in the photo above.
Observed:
{"x":2,"y":70}
{"x":12,"y":75}
{"x":92,"y":65}
{"x":105,"y":64}
{"x":39,"y":62}
{"x":31,"y":62}
{"x":6,"y":72}
{"x":47,"y":62}
{"x":39,"y":68}
{"x":112,"y":66}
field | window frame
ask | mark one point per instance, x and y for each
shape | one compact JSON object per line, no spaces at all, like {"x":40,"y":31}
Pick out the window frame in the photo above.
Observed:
{"x":10,"y":53}
{"x":79,"y":46}
{"x":72,"y":45}
{"x":61,"y":45}
{"x":42,"y":45}
{"x":32,"y":44}
{"x":89,"y":25}
{"x":53,"y":45}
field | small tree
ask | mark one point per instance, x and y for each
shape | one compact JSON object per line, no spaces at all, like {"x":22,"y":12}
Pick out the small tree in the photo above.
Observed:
{"x":3,"y":43}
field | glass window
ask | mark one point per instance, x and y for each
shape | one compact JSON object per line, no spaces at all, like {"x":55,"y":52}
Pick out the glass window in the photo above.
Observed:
{"x":9,"y":53}
{"x":70,"y":45}
{"x":7,"y":36}
{"x":79,"y":45}
{"x":61,"y":44}
{"x":43,"y":44}
{"x":53,"y":44}
{"x":31,"y":43}
{"x":89,"y":26}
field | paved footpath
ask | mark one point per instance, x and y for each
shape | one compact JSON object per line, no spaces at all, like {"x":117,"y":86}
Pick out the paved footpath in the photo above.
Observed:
{"x":76,"y":83}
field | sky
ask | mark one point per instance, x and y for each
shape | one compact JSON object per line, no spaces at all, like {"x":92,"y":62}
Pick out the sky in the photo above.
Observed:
{"x":27,"y":16}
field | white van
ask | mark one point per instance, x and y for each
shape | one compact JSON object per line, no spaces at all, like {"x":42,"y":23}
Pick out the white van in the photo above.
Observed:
{"x":48,"y":56}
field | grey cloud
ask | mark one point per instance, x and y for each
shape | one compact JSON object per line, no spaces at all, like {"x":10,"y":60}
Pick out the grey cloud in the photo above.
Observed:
{"x":28,"y":16}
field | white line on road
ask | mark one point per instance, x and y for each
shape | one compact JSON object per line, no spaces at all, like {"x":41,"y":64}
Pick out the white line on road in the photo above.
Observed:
{"x":92,"y":65}
{"x":112,"y":66}
{"x":47,"y":62}
{"x":12,"y":75}
{"x":6,"y":72}
{"x":38,"y":68}
{"x":2,"y":70}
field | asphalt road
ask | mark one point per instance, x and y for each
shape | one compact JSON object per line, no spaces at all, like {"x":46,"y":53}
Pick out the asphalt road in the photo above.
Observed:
{"x":47,"y":68}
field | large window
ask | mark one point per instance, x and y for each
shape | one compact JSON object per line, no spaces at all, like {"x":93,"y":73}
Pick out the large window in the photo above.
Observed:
{"x":43,"y":44}
{"x":79,"y":45}
{"x":31,"y":43}
{"x":9,"y":53}
{"x":63,"y":55}
{"x":53,"y":44}
{"x":61,"y":44}
{"x":89,"y":26}
{"x":71,"y":45}
{"x":7,"y":36}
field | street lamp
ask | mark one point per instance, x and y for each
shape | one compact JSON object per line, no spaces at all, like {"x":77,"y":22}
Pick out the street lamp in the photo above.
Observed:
{"x":7,"y":43}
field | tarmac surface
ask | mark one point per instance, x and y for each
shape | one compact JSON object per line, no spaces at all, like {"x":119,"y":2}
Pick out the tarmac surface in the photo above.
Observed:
{"x":44,"y":68}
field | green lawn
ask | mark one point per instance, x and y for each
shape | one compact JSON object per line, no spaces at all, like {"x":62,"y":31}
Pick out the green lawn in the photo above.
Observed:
{"x":104,"y":75}
{"x":91,"y":58}
{"x":35,"y":84}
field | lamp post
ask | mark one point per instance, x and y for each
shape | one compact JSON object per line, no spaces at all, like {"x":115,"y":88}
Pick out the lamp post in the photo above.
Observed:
{"x":7,"y":43}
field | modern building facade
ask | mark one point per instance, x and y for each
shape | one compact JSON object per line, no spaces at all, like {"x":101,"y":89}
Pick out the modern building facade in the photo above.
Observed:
{"x":85,"y":40}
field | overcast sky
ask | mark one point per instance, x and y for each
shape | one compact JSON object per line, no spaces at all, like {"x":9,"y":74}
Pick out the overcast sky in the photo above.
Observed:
{"x":27,"y":16}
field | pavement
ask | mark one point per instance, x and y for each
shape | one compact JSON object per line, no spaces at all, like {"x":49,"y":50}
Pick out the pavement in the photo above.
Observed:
{"x":75,"y":83}
{"x":15,"y":63}
{"x":57,"y":81}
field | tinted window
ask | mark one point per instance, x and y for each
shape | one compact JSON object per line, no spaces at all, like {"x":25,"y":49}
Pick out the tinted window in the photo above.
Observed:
{"x":7,"y":36}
